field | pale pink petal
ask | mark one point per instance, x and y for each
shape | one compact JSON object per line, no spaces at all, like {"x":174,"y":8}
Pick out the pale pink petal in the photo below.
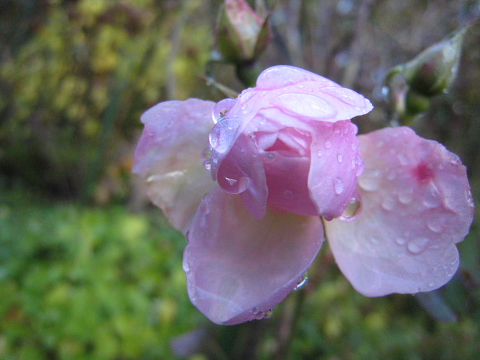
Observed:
{"x":417,"y":205}
{"x":168,"y":157}
{"x":335,"y":165}
{"x":310,"y":96}
{"x":239,"y":267}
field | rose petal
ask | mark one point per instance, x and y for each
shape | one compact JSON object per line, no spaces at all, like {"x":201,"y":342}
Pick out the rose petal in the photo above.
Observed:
{"x":308,"y":95}
{"x":168,"y":157}
{"x":335,"y":165}
{"x":417,"y":205}
{"x":239,"y":267}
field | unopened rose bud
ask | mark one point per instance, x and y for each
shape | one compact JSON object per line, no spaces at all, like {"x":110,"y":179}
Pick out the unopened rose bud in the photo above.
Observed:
{"x":435,"y":68}
{"x":241,"y":34}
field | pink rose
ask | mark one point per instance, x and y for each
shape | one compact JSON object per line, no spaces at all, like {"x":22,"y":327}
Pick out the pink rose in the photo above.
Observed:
{"x":285,"y":153}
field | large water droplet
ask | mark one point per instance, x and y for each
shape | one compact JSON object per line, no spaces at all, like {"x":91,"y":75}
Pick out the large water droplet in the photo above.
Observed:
{"x":221,"y":109}
{"x":417,"y":245}
{"x":338,"y":185}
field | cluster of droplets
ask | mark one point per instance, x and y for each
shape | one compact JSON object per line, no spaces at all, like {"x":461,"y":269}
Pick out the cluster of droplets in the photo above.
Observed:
{"x":207,"y":158}
{"x":259,"y":315}
{"x":430,"y":203}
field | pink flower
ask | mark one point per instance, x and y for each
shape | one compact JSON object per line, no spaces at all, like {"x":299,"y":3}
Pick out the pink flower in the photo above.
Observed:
{"x":285,"y":154}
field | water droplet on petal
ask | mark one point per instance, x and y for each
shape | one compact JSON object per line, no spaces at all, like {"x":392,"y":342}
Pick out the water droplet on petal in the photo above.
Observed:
{"x":269,"y":156}
{"x":327,"y":144}
{"x":405,"y":197}
{"x":207,"y":153}
{"x":208,"y":164}
{"x":435,"y":224}
{"x":417,"y":245}
{"x":302,"y":283}
{"x":400,"y":241}
{"x":268,"y":314}
{"x":339,"y":158}
{"x":403,"y":159}
{"x":288,"y":194}
{"x":388,"y":203}
{"x":338,"y":185}
{"x":221,"y":109}
{"x":352,"y":211}
{"x":319,"y":153}
{"x":369,"y":180}
{"x":432,"y":284}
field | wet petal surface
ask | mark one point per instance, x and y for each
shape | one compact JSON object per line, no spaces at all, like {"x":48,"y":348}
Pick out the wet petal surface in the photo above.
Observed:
{"x":239,"y":267}
{"x":416,"y":205}
{"x":168,"y":157}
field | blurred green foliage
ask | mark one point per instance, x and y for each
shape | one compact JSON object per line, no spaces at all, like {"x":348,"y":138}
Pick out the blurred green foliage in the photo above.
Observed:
{"x":86,"y":70}
{"x":88,"y":283}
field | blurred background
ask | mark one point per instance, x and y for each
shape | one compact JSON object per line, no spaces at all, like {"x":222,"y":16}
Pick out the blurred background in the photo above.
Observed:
{"x":90,"y":270}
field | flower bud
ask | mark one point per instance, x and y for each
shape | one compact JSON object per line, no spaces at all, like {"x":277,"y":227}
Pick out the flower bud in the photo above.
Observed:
{"x":435,"y":68}
{"x":241,"y":33}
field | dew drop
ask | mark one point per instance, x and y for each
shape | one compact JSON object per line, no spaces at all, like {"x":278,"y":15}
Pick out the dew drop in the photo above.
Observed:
{"x":432,"y":284}
{"x":269,"y":157}
{"x":288,"y":194}
{"x":403,"y":159}
{"x":400,"y":241}
{"x":405,"y":197}
{"x":208,"y":164}
{"x":352,"y":211}
{"x":339,"y":158}
{"x":435,"y":224}
{"x":369,"y":180}
{"x":268,"y":314}
{"x":301,"y":284}
{"x":319,"y":153}
{"x":416,"y":246}
{"x":338,"y":185}
{"x":259,"y":315}
{"x":388,"y":203}
{"x":207,"y":153}
{"x":327,"y":144}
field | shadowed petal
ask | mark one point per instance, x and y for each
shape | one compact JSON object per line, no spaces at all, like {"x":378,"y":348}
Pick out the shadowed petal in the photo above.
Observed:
{"x":239,"y":267}
{"x":416,"y":205}
{"x":168,"y":157}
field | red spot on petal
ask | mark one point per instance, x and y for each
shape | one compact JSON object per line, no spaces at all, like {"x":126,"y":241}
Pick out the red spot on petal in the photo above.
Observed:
{"x":423,"y":173}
